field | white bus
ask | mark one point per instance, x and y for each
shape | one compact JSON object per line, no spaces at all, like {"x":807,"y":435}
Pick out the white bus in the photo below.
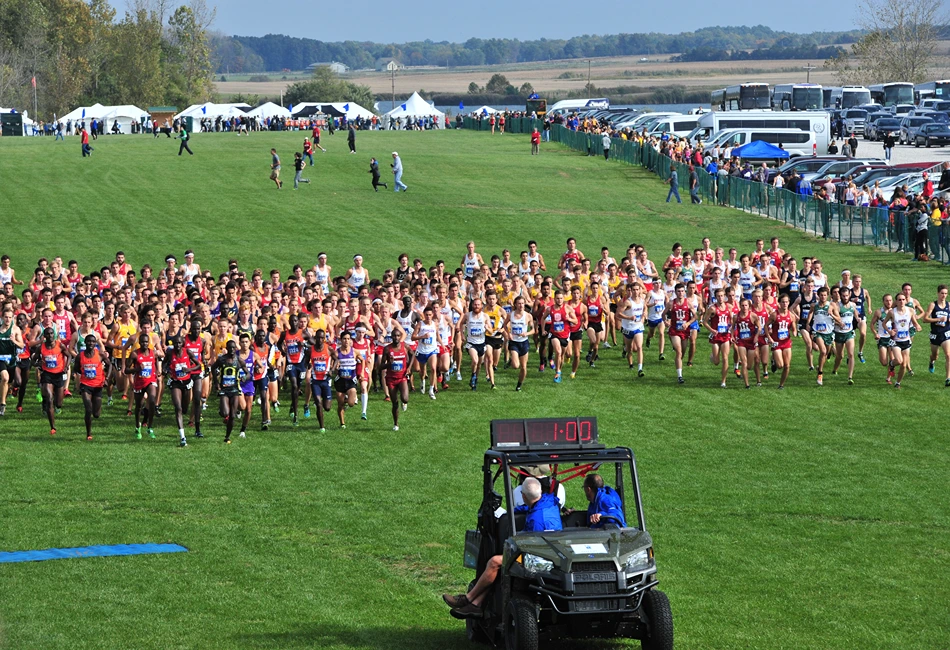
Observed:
{"x":932,"y":90}
{"x":892,"y":94}
{"x":742,"y":97}
{"x":797,"y":97}
{"x":849,"y":97}
{"x":817,"y":122}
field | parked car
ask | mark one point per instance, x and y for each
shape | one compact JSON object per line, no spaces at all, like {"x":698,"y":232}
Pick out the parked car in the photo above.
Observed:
{"x":880,"y":128}
{"x":900,"y":110}
{"x":909,"y":126}
{"x":872,"y":118}
{"x":914,"y":183}
{"x":838,"y":167}
{"x":852,"y":173}
{"x":802,"y":165}
{"x":854,"y":119}
{"x":932,"y":134}
{"x":881,"y":173}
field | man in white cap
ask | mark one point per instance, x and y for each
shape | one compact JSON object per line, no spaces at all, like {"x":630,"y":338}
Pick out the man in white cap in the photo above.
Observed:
{"x":397,"y":173}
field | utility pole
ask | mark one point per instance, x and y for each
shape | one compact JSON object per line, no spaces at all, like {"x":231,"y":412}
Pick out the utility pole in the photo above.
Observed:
{"x":392,"y":68}
{"x":588,"y":78}
{"x":808,"y":68}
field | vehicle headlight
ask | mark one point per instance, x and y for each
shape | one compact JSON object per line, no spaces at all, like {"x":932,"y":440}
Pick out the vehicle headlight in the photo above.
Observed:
{"x":640,"y":560}
{"x":535,"y":564}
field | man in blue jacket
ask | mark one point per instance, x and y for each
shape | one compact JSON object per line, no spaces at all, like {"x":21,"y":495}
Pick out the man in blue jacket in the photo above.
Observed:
{"x":604,"y":501}
{"x":544,"y":513}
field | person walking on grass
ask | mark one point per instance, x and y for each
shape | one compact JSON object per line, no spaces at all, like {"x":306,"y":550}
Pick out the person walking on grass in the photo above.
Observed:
{"x":674,"y":185}
{"x":397,"y":173}
{"x":299,"y":164}
{"x":606,"y":143}
{"x":86,"y":149}
{"x":351,"y":138}
{"x":535,"y":142}
{"x":374,"y":170}
{"x":184,"y":137}
{"x":694,"y":186}
{"x":275,"y":168}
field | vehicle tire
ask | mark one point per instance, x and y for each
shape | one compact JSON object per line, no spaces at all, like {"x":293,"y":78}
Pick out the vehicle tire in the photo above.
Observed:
{"x":521,"y":625}
{"x":659,"y":616}
{"x":916,"y":143}
{"x":928,"y":144}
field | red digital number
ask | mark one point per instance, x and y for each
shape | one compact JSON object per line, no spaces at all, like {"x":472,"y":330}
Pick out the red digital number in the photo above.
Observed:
{"x":571,"y":431}
{"x":585,"y":431}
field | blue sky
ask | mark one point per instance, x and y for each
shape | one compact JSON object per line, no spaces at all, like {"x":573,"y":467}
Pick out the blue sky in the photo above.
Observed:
{"x":399,"y":22}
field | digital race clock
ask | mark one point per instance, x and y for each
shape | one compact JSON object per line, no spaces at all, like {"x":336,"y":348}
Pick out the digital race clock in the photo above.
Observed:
{"x":543,"y":433}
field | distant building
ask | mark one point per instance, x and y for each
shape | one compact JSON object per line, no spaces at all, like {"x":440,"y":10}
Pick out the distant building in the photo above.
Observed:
{"x":387,"y":65}
{"x":335,"y":67}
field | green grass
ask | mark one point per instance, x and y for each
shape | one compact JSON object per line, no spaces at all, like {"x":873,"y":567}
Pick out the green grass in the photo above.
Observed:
{"x":803,"y":519}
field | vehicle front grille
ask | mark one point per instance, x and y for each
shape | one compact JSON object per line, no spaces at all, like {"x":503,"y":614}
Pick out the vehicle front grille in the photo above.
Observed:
{"x":593,"y":566}
{"x":595,"y":588}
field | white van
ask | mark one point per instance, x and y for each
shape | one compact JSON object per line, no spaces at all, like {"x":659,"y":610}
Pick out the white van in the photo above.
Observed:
{"x":674,"y":125}
{"x":795,"y":141}
{"x":568,"y":106}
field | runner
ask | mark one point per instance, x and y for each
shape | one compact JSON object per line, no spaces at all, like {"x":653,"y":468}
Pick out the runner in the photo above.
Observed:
{"x":719,"y":323}
{"x":902,"y":319}
{"x":232,"y":371}
{"x":695,"y":299}
{"x":577,"y":328}
{"x":596,"y":306}
{"x":321,"y":360}
{"x":291,"y":343}
{"x":938,"y":315}
{"x":396,"y":360}
{"x":656,"y":305}
{"x":23,"y":360}
{"x":681,"y":318}
{"x":179,"y":368}
{"x":887,"y":352}
{"x":802,"y":308}
{"x":782,"y":327}
{"x":94,"y":370}
{"x":762,"y":312}
{"x":11,"y":341}
{"x":261,"y":349}
{"x":345,"y":363}
{"x":562,"y":318}
{"x":54,"y":364}
{"x":364,"y":368}
{"x":844,"y":333}
{"x":822,"y":319}
{"x":471,"y":261}
{"x":475,"y":324}
{"x":252,"y":367}
{"x":119,"y":343}
{"x":746,"y":328}
{"x":631,"y":315}
{"x":143,"y":367}
{"x":428,"y":336}
{"x":356,"y":276}
{"x":198,"y":344}
{"x":862,"y":307}
{"x":494,"y":336}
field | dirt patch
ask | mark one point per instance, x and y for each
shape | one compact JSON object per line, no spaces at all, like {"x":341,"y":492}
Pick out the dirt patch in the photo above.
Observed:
{"x":414,"y":568}
{"x":563,"y":174}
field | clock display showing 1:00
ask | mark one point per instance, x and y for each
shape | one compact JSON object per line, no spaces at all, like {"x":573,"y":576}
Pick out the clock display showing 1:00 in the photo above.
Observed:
{"x":561,"y":431}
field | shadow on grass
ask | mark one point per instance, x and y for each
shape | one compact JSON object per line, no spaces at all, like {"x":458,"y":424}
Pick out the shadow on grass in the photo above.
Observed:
{"x":338,"y":637}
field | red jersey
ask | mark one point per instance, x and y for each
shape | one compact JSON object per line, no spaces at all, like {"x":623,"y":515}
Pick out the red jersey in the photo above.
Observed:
{"x":294,"y":343}
{"x":195,"y":348}
{"x":319,"y":364}
{"x":93,"y":371}
{"x":722,"y":323}
{"x":559,"y":324}
{"x":263,"y":354}
{"x":782,"y":330}
{"x":145,"y":369}
{"x":307,"y":147}
{"x":180,"y":365}
{"x":572,"y":257}
{"x":54,"y":361}
{"x":63,"y":326}
{"x":745,"y":331}
{"x":595,"y":310}
{"x":681,"y":315}
{"x":578,"y":313}
{"x":763,"y":315}
{"x":365,"y":348}
{"x":398,"y":364}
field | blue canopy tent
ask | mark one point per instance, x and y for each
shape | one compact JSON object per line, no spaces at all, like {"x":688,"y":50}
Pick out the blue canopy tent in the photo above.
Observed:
{"x":759,"y":150}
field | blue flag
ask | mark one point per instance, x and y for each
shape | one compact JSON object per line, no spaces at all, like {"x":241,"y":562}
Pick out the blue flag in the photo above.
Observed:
{"x":291,"y":108}
{"x":204,"y":109}
{"x":403,"y":107}
{"x":461,"y":106}
{"x":84,"y":113}
{"x":346,"y":107}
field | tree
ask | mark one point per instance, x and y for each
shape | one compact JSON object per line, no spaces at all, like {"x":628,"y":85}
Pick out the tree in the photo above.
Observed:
{"x":189,"y":36}
{"x":325,"y":86}
{"x":526,"y":89}
{"x":497,"y":85}
{"x":900,"y":39}
{"x":474,"y":88}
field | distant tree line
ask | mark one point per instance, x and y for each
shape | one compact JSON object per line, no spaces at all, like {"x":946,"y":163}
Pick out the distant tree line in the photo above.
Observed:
{"x":775,"y":52}
{"x":77,"y":54}
{"x":249,"y":54}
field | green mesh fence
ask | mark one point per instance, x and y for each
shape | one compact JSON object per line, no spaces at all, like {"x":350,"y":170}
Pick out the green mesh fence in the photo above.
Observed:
{"x":879,"y":227}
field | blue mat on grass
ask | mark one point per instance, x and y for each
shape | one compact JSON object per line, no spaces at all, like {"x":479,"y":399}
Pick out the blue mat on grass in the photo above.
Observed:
{"x":89,"y":551}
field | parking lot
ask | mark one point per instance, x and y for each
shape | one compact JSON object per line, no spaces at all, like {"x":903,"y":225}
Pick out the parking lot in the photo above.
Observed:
{"x":902,"y":153}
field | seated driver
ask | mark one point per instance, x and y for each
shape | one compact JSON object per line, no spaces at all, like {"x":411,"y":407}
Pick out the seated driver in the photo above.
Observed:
{"x":544,"y":513}
{"x":604,"y":501}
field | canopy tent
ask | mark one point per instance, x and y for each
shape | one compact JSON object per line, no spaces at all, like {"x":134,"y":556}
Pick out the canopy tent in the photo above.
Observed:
{"x":759,"y":150}
{"x":483,"y":110}
{"x":212,"y":110}
{"x":97,"y":111}
{"x":351,"y":110}
{"x":414,"y":107}
{"x":125,"y":115}
{"x":269,"y":109}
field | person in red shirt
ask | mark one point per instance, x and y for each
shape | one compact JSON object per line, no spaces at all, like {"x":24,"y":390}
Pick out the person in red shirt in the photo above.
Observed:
{"x":316,"y":137}
{"x":291,"y":343}
{"x":86,"y":149}
{"x":681,"y":316}
{"x":53,"y":364}
{"x":396,"y":360}
{"x":535,"y":142}
{"x":719,"y":323}
{"x":560,"y":318}
{"x":143,"y":367}
{"x":781,"y":329}
{"x":94,"y":373}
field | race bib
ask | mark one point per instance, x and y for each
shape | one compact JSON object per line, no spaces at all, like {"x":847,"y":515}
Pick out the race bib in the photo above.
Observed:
{"x":517,"y":330}
{"x":228,"y":381}
{"x":346,"y":373}
{"x":680,"y":324}
{"x":594,"y":310}
{"x":782,"y":331}
{"x":6,"y":358}
{"x":558,"y":326}
{"x":429,"y":340}
{"x":320,"y":366}
{"x":820,"y":327}
{"x":723,"y":328}
{"x":903,"y":334}
{"x":397,"y":365}
{"x":89,"y":372}
{"x":50,"y":362}
{"x":146,"y":371}
{"x":293,"y":349}
{"x":476,"y":331}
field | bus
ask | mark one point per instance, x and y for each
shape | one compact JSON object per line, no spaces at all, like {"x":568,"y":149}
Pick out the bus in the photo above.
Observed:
{"x":932,"y":90}
{"x":817,"y":122}
{"x":892,"y":94}
{"x":850,"y":96}
{"x":797,"y":97}
{"x":717,"y":100}
{"x":742,"y":97}
{"x":826,"y":96}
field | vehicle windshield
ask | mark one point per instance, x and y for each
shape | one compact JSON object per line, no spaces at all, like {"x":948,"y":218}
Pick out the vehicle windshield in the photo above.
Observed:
{"x":929,"y":128}
{"x":855,"y":113}
{"x":887,"y":124}
{"x":917,"y":121}
{"x":806,"y":98}
{"x":569,"y":489}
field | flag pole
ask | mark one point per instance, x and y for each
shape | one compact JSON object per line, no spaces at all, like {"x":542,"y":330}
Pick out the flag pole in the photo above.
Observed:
{"x":34,"y":98}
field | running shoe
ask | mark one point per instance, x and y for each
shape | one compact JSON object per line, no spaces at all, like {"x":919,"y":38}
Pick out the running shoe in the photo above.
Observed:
{"x":931,"y":367}
{"x":758,"y":384}
{"x":158,"y":411}
{"x":680,"y":380}
{"x":19,"y":409}
{"x":518,"y":387}
{"x":306,"y":411}
{"x":640,"y":373}
{"x":781,"y":387}
{"x":774,"y":367}
{"x":198,"y":434}
{"x":264,"y":425}
{"x":557,"y":378}
{"x":765,"y":375}
{"x":431,"y":394}
{"x":362,"y":416}
{"x":689,"y":364}
{"x":387,"y":398}
{"x":861,"y":357}
{"x":589,"y":355}
{"x":648,"y":344}
{"x":458,"y":376}
{"x":57,"y":410}
{"x":662,"y":357}
{"x":820,"y":383}
{"x":138,"y":433}
{"x":244,"y":435}
{"x":738,"y":372}
{"x":89,"y":437}
{"x":897,"y":385}
{"x":850,"y":381}
{"x":473,"y":382}
{"x":275,"y":407}
{"x":946,"y":384}
{"x":343,"y":426}
{"x":3,"y":410}
{"x":573,"y":375}
{"x":910,"y":372}
{"x":541,"y":367}
{"x":182,"y":443}
{"x":406,"y":406}
{"x":723,"y":385}
{"x":66,"y":393}
{"x":227,"y":441}
{"x":109,"y":403}
{"x":294,"y":422}
{"x":607,"y":345}
{"x":52,"y":432}
{"x":151,"y":434}
{"x":395,"y":428}
{"x":39,"y":397}
{"x":322,"y":430}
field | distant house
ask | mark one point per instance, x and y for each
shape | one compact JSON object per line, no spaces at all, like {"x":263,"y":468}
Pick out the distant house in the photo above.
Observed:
{"x":387,"y":65}
{"x":335,"y":67}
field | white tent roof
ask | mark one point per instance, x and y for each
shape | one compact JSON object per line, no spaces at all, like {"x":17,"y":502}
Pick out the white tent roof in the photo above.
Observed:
{"x":483,"y":109}
{"x":212,"y":110}
{"x":269,"y":109}
{"x":415,"y":106}
{"x":352,"y":110}
{"x":126,"y":110}
{"x":96,"y":110}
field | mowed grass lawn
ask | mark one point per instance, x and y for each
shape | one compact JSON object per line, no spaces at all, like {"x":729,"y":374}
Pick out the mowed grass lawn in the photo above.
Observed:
{"x":808,"y":518}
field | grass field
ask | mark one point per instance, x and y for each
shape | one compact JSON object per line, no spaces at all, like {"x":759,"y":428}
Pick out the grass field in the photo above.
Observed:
{"x":809,"y":518}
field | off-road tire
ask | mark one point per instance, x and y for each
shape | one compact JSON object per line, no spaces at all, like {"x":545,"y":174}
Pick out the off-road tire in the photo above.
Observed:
{"x":656,"y":607}
{"x":521,"y":625}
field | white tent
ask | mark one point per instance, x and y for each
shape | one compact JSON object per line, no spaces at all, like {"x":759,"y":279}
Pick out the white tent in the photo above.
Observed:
{"x":124,"y":115}
{"x":97,"y":111}
{"x":269,"y":109}
{"x":413,"y":107}
{"x":352,"y":110}
{"x":482,"y":110}
{"x":212,"y":110}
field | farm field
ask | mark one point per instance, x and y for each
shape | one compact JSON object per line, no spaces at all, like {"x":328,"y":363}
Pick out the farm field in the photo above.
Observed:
{"x":803,"y":518}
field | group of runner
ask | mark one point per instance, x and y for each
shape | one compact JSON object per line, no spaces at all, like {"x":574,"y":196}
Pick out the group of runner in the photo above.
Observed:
{"x":182,"y":332}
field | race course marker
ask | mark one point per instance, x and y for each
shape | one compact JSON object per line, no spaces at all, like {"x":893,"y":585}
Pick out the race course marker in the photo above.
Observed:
{"x":89,"y":551}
